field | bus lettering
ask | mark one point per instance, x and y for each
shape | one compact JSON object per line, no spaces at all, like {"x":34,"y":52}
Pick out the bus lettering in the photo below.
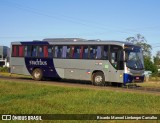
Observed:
{"x":37,"y":62}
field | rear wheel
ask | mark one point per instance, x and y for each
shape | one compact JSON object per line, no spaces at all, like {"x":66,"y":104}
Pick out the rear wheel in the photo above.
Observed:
{"x":98,"y":79}
{"x":37,"y":74}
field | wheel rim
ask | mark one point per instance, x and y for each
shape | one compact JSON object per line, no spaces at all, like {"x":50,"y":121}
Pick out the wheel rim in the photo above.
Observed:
{"x":37,"y":74}
{"x":98,"y":79}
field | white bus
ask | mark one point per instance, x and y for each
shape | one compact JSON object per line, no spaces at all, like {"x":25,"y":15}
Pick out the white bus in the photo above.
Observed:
{"x":79,"y":59}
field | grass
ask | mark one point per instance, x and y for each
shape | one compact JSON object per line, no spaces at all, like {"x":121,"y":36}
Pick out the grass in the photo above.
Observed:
{"x":43,"y":98}
{"x":150,"y":84}
{"x":154,"y":78}
{"x":40,"y":98}
{"x":13,"y":75}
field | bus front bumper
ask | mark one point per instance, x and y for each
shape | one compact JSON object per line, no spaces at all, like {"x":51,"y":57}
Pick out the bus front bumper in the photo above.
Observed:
{"x":127,"y":78}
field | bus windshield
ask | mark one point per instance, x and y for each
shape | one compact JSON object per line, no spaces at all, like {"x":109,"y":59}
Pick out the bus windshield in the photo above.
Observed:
{"x":134,"y":59}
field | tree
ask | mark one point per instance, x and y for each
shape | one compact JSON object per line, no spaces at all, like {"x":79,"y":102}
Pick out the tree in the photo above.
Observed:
{"x":141,"y":41}
{"x":136,"y":39}
{"x":149,"y":65}
{"x":157,"y":59}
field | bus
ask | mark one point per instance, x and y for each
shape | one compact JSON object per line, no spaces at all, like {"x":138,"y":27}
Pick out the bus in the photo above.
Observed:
{"x":78,"y":59}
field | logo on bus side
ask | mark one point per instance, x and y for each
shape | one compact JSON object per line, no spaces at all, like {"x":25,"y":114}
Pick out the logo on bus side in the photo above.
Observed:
{"x":37,"y":62}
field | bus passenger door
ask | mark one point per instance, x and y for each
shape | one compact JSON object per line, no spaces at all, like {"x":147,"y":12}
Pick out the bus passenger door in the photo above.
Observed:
{"x":114,"y":59}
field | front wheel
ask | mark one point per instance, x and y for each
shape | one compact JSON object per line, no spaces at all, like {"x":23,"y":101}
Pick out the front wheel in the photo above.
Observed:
{"x":98,"y":79}
{"x":37,"y":74}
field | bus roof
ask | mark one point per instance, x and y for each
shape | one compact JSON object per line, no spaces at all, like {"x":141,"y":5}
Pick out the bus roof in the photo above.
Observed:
{"x":70,"y":41}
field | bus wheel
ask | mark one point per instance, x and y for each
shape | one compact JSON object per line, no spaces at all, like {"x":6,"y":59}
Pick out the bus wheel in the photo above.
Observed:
{"x":37,"y":74}
{"x":98,"y":79}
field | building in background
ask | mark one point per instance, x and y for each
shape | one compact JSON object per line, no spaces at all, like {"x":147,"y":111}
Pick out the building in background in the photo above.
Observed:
{"x":4,"y":56}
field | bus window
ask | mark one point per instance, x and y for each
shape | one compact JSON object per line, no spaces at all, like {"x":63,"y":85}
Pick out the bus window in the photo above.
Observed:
{"x":14,"y":51}
{"x":68,"y":51}
{"x":76,"y":53}
{"x":64,"y":51}
{"x":92,"y":52}
{"x":40,"y":51}
{"x":27,"y":51}
{"x":81,"y":52}
{"x":121,"y":60}
{"x":85,"y":52}
{"x":21,"y":51}
{"x":114,"y":58}
{"x":50,"y":51}
{"x":95,"y":52}
{"x":105,"y":52}
{"x":99,"y":52}
{"x":58,"y":52}
{"x":45,"y":51}
{"x":34,"y":51}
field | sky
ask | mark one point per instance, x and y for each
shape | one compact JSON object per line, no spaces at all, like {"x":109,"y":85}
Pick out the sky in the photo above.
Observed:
{"x":27,"y":20}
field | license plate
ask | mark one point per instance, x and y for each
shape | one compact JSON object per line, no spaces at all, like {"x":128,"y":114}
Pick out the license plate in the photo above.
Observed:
{"x":137,"y":77}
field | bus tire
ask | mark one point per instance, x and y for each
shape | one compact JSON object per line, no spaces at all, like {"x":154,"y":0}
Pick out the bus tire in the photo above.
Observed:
{"x":37,"y":74}
{"x":98,"y":79}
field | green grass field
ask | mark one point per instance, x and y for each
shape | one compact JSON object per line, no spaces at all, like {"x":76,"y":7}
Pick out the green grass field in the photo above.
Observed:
{"x":41,"y":98}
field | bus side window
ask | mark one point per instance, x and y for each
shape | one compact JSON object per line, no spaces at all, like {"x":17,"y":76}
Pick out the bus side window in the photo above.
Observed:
{"x":50,"y":51}
{"x":40,"y":51}
{"x":58,"y":52}
{"x":21,"y":51}
{"x":34,"y":51}
{"x":64,"y":51}
{"x":81,"y":52}
{"x":72,"y":51}
{"x":76,"y":53}
{"x":105,"y":52}
{"x":14,"y":51}
{"x":45,"y":51}
{"x":85,"y":52}
{"x":99,"y":52}
{"x":27,"y":51}
{"x":68,"y":51}
{"x":92,"y":52}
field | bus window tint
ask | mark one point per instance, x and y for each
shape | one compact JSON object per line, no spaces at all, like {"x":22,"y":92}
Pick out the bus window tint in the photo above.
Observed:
{"x":14,"y":51}
{"x":50,"y":51}
{"x":81,"y":52}
{"x":68,"y":51}
{"x":21,"y":51}
{"x":40,"y":51}
{"x":99,"y":52}
{"x":27,"y":51}
{"x":92,"y":52}
{"x":95,"y":52}
{"x":76,"y":53}
{"x":105,"y":52}
{"x":34,"y":51}
{"x":64,"y":51}
{"x":85,"y":52}
{"x":45,"y":51}
{"x":58,"y":52}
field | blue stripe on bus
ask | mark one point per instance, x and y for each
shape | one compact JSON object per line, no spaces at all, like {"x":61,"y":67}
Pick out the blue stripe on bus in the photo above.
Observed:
{"x":127,"y":78}
{"x":45,"y":64}
{"x":35,"y":43}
